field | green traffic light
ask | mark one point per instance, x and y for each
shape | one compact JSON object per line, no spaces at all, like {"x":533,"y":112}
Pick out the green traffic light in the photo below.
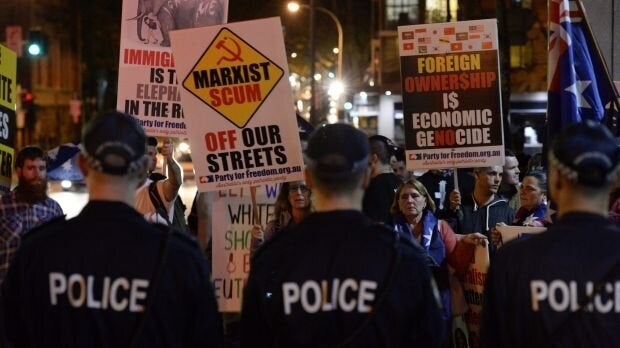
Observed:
{"x":34,"y":49}
{"x":37,"y":43}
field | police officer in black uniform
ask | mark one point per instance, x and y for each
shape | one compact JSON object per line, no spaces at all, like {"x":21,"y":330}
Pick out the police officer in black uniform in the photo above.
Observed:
{"x":338,"y":279}
{"x":107,"y":278}
{"x":561,"y":288}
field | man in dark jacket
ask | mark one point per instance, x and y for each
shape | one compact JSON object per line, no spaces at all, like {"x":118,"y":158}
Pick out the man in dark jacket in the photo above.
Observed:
{"x":486,"y":208}
{"x":339,"y":279}
{"x":379,"y":194}
{"x":561,"y":288}
{"x":107,"y":278}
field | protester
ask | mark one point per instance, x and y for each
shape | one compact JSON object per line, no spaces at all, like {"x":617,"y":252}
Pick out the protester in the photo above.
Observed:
{"x":558,"y":288}
{"x":155,"y":199}
{"x":107,"y":277}
{"x":399,"y":165}
{"x":509,"y":186}
{"x":414,"y":219}
{"x":533,"y":198}
{"x":533,"y":210}
{"x":27,"y":206}
{"x":486,"y":209}
{"x":380,"y":192}
{"x":338,"y":278}
{"x":292,"y":205}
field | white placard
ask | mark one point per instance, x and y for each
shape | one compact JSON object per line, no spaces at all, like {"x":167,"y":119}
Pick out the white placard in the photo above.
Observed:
{"x":147,"y":79}
{"x":239,"y":106}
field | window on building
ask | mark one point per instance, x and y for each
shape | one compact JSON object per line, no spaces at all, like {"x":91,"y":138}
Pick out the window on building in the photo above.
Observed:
{"x":437,"y":10}
{"x":521,"y":55}
{"x":399,"y":11}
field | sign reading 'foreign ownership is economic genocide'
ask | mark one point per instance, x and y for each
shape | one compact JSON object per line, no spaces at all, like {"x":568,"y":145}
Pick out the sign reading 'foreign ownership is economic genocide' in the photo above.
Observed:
{"x":8,"y":95}
{"x":451,"y":94}
{"x":239,"y":108}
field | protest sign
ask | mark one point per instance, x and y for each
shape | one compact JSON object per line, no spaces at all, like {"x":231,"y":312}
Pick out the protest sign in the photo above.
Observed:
{"x":514,"y":232}
{"x":451,"y":94}
{"x":233,"y":217}
{"x":242,"y":129}
{"x":147,"y":76}
{"x":8,"y":104}
{"x":473,"y":286}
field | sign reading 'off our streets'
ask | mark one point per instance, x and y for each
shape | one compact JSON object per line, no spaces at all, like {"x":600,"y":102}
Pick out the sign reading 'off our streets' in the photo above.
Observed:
{"x":241,"y":123}
{"x":451,"y":94}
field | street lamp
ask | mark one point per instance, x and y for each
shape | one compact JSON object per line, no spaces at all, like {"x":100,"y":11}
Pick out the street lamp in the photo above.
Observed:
{"x":294,"y":6}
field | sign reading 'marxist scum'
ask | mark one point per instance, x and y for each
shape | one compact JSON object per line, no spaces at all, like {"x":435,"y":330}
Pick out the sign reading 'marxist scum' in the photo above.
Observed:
{"x":233,"y":78}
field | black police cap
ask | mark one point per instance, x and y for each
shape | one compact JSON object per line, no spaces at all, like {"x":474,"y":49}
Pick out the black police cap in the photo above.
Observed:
{"x":586,"y":153}
{"x":114,"y":143}
{"x":337,"y":150}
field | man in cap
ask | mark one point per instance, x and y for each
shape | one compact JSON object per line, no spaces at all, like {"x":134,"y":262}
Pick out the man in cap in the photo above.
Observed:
{"x":27,"y":206}
{"x":108,"y":277}
{"x":379,"y":194}
{"x":561,"y":288}
{"x":338,"y":278}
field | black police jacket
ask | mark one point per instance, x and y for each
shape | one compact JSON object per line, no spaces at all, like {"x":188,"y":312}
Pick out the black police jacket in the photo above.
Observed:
{"x":560,"y":288}
{"x":340,"y":280}
{"x":84,"y":282}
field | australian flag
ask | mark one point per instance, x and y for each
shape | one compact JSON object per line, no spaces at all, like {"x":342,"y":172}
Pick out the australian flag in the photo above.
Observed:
{"x":579,"y":87}
{"x":61,"y":165}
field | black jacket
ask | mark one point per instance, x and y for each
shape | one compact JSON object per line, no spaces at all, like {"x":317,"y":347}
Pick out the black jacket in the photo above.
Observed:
{"x":537,"y":286}
{"x":84,"y":283}
{"x":473,"y":218}
{"x":379,"y":196}
{"x":339,"y":278}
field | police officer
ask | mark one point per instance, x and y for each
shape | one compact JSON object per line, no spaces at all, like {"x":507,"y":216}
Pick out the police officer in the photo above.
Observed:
{"x":338,"y":279}
{"x":107,"y":278}
{"x":561,"y":288}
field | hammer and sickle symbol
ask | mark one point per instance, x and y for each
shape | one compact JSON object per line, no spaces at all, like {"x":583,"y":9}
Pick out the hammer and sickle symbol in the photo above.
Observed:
{"x":234,"y":56}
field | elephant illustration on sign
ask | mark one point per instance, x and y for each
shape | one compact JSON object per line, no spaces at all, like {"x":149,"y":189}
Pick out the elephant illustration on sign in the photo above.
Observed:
{"x":179,"y":14}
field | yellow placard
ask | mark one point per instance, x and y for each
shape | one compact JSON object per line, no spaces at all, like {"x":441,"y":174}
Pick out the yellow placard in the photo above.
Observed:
{"x":233,"y":78}
{"x":8,"y":83}
{"x":7,"y":155}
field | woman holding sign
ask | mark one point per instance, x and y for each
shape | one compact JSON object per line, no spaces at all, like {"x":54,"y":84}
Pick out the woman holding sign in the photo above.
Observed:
{"x":533,"y":195}
{"x":533,"y":210}
{"x":292,"y":205}
{"x":413,"y":218}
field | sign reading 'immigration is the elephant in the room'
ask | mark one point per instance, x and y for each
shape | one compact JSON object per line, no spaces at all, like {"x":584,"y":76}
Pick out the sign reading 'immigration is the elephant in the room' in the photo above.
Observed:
{"x":147,"y":81}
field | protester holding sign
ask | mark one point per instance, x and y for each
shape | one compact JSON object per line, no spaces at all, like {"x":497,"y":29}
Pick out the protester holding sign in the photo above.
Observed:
{"x":533,"y":197}
{"x":414,"y":219}
{"x":337,"y":278}
{"x":561,"y":288}
{"x":487,"y":209}
{"x":155,"y":199}
{"x":292,"y":205}
{"x":533,"y":210}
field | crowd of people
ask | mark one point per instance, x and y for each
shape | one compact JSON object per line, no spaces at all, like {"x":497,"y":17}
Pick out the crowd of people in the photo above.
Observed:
{"x":360,"y":254}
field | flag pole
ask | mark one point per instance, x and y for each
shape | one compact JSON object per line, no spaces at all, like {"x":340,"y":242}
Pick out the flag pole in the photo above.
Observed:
{"x":616,"y":99}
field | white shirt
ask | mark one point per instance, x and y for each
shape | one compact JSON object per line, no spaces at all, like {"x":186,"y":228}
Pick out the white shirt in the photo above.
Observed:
{"x":145,"y":206}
